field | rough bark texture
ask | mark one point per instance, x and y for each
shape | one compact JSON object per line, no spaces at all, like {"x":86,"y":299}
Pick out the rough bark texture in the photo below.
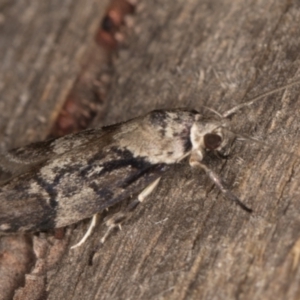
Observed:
{"x":186,"y":241}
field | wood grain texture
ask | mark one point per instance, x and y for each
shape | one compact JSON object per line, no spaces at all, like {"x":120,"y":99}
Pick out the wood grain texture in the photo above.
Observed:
{"x":44,"y":45}
{"x":187,"y":241}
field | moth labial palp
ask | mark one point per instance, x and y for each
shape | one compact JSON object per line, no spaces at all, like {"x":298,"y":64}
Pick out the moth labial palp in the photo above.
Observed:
{"x":62,"y":181}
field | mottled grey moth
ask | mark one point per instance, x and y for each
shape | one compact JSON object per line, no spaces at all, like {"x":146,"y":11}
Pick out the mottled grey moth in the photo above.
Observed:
{"x":65,"y":180}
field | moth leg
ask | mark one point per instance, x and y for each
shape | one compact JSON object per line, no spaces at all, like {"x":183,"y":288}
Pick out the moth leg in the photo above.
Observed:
{"x":143,"y":195}
{"x":88,"y":233}
{"x":196,"y":162}
{"x":117,"y":219}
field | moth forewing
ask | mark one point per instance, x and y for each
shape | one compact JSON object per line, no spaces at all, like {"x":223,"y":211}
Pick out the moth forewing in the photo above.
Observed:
{"x":23,"y":159}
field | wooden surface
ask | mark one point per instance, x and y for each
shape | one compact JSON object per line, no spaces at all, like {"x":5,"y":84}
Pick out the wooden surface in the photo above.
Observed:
{"x":187,"y":241}
{"x":44,"y":45}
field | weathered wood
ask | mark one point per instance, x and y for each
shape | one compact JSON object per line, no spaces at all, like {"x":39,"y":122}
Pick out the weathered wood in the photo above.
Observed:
{"x":44,"y":45}
{"x":187,"y":242}
{"x":43,"y":48}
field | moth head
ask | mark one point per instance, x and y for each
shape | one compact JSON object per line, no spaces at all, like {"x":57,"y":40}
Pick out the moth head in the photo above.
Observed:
{"x":209,"y":136}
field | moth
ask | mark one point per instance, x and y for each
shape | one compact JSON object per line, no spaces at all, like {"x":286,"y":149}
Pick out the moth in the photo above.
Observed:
{"x":62,"y":181}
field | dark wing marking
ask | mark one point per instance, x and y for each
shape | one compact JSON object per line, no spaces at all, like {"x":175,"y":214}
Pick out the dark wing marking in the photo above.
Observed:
{"x":74,"y":185}
{"x":24,"y":159}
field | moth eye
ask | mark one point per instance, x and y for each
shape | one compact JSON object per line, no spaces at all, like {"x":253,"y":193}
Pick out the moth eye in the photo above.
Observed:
{"x":212,"y":141}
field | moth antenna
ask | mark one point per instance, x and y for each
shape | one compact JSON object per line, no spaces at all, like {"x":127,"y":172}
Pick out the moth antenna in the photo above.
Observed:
{"x":214,"y":111}
{"x":262,"y":143}
{"x":233,"y":110}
